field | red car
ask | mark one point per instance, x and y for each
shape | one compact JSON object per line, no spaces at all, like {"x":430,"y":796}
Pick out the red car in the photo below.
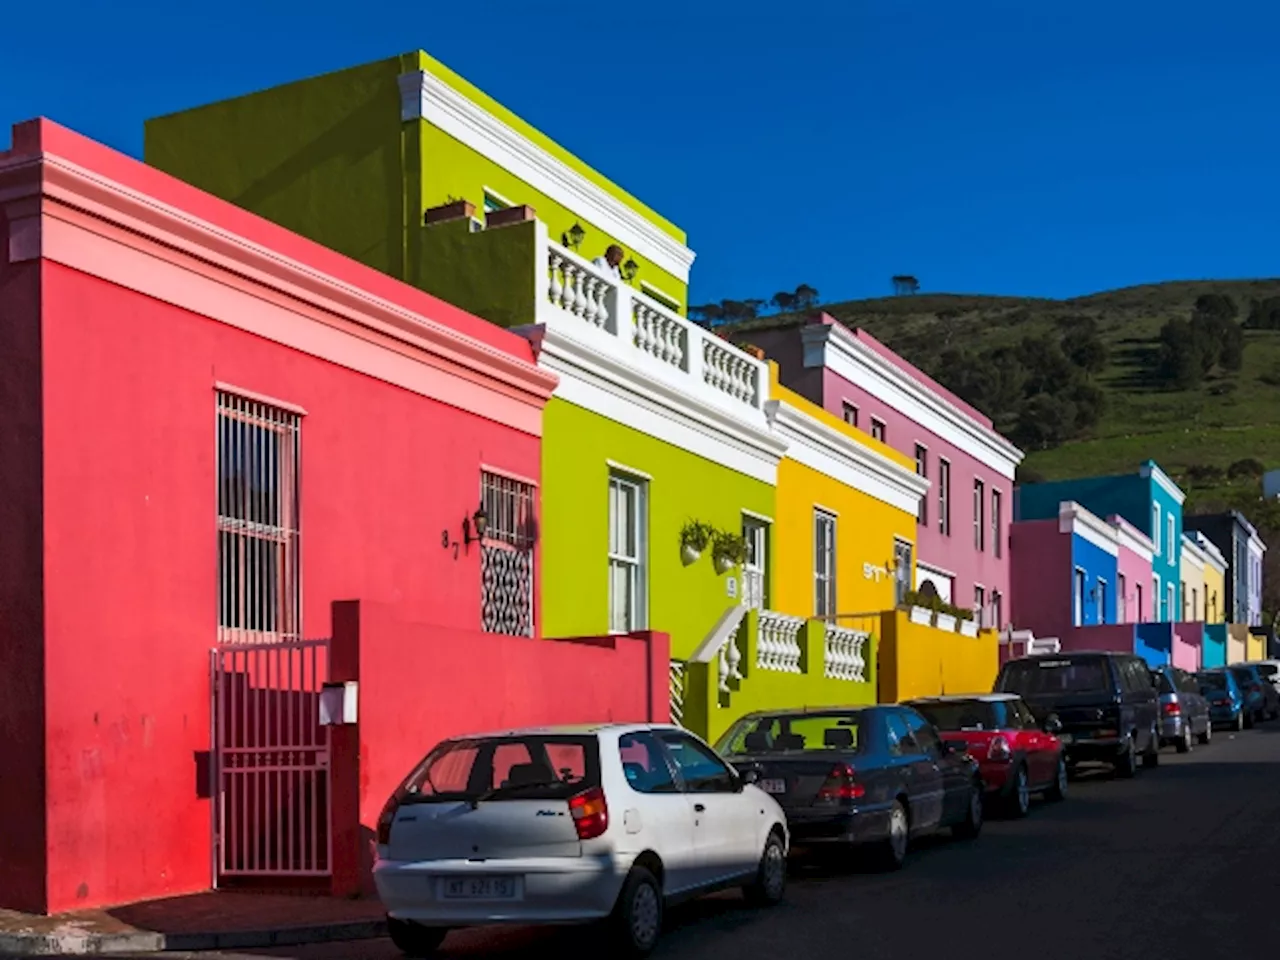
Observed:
{"x":1017,"y":757}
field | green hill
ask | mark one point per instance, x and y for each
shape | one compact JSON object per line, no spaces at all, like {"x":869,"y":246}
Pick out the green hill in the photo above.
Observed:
{"x":1193,"y":433}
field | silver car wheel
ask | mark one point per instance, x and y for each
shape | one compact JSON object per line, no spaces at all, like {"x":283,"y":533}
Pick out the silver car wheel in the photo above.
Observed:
{"x":1062,"y":776}
{"x":1024,"y":792}
{"x":775,"y":870}
{"x":898,"y":833}
{"x":644,"y":915}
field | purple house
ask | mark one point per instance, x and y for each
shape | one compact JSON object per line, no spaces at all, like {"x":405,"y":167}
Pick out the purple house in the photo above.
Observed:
{"x":963,"y":527}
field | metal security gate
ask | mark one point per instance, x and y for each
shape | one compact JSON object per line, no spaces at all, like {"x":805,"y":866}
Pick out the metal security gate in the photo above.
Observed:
{"x":270,"y":761}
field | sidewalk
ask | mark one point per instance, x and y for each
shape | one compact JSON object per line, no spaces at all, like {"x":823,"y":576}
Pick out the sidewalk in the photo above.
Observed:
{"x":203,"y":921}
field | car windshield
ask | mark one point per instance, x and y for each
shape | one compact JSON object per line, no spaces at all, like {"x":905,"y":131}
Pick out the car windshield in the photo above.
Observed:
{"x":786,"y":732}
{"x":963,"y":714}
{"x":1165,"y":682}
{"x":1046,"y":677}
{"x":534,"y":767}
{"x":1211,"y":681}
{"x":1242,"y":674}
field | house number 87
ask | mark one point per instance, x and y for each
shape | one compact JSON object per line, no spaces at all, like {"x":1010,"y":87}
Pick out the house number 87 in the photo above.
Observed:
{"x":872,"y":572}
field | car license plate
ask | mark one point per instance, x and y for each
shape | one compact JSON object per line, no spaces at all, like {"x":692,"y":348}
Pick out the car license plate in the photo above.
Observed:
{"x":480,"y":888}
{"x":773,"y":786}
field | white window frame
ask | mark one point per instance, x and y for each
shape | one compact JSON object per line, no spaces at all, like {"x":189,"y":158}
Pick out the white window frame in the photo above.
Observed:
{"x":637,"y":617}
{"x":755,"y":569}
{"x":847,"y":408}
{"x":997,"y":611}
{"x":1156,"y":598}
{"x":488,"y":193}
{"x":1077,"y":597}
{"x":944,"y":496}
{"x":979,"y":515}
{"x":1122,"y":600}
{"x":1137,"y":599}
{"x":1171,"y":601}
{"x":922,"y":470}
{"x":879,"y":426}
{"x":825,"y":534}
{"x":1101,"y":588}
{"x":1155,"y":527}
{"x":997,"y":508}
{"x":979,"y":604}
{"x":1171,"y":539}
{"x":902,"y":575}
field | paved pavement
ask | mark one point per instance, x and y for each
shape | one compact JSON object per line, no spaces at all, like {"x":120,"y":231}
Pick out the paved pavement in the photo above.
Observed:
{"x":1182,"y":862}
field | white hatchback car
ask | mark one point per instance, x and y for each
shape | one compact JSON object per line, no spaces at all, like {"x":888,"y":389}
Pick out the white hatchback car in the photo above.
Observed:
{"x":571,"y":824}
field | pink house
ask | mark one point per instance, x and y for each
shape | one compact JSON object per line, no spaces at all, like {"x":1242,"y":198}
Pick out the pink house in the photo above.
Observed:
{"x":1133,"y":577}
{"x":963,"y":530}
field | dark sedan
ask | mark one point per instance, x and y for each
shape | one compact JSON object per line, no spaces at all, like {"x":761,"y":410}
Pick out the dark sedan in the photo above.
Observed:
{"x":870,"y":776}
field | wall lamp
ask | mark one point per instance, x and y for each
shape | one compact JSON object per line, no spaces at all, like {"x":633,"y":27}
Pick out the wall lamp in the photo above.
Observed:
{"x":573,"y":238}
{"x":629,"y":270}
{"x":479,"y":522}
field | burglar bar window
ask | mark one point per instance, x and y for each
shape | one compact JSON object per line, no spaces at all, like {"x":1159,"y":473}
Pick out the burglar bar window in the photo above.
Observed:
{"x":506,"y":557}
{"x":259,"y":582}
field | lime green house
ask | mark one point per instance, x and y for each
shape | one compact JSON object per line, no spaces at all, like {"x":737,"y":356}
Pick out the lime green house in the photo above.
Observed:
{"x":655,"y":422}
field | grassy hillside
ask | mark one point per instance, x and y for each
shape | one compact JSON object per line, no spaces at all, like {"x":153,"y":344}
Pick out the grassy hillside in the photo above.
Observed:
{"x":1225,"y":419}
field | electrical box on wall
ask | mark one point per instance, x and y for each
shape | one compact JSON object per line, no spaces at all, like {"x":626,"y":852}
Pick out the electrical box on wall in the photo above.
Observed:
{"x":338,"y":703}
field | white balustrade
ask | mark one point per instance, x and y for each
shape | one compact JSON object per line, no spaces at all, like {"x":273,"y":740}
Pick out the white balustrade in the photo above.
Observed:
{"x":729,"y":659}
{"x":728,"y":369}
{"x":842,"y":653}
{"x":660,"y":333}
{"x":778,"y":642}
{"x":578,"y":287}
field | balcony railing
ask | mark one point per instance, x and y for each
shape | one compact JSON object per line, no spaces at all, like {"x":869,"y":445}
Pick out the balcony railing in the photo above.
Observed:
{"x":584,"y":302}
{"x":842,"y":657}
{"x":778,"y":642}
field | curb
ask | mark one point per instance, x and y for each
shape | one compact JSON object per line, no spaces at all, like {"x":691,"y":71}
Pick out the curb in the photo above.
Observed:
{"x":76,"y":944}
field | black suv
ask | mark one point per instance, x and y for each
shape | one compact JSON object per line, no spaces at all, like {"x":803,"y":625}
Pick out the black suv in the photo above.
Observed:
{"x":1104,"y":706}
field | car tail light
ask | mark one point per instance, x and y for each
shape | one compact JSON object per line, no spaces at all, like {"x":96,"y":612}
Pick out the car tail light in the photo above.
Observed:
{"x":386,"y":818}
{"x":590,"y":813}
{"x":841,"y":784}
{"x":1173,"y":709}
{"x":999,"y":750}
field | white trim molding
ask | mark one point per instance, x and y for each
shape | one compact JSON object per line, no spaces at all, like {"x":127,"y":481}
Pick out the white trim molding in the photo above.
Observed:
{"x":833,"y":346}
{"x":1077,"y":521}
{"x":934,"y":568}
{"x":1151,"y":471}
{"x":837,"y":455}
{"x":605,"y":385}
{"x":1193,"y":553}
{"x":1132,"y":539}
{"x":1213,"y":556}
{"x":426,"y":97}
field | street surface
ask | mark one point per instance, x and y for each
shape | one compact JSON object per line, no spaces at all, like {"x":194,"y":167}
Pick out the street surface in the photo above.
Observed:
{"x":1181,"y":862}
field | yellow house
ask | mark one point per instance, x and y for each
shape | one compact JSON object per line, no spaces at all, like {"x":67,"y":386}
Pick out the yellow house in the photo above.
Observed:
{"x":1212,"y":601}
{"x":1194,"y":560}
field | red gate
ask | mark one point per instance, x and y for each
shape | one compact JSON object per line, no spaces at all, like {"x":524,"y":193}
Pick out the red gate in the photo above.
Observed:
{"x":271,"y":762}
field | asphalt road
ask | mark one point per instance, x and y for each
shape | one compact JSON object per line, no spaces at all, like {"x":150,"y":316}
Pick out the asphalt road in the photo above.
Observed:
{"x":1182,"y":862}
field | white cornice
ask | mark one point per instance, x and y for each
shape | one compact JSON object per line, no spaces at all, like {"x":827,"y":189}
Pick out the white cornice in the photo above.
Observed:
{"x":1076,"y":520}
{"x":830,"y":452}
{"x":1256,"y":544}
{"x":611,"y":388}
{"x":1153,"y":471}
{"x":1213,"y":556}
{"x":864,"y":367}
{"x":1193,"y":554}
{"x":1133,"y":539}
{"x":424,"y":96}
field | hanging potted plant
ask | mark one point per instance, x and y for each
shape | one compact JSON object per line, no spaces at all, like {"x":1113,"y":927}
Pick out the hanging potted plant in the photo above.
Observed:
{"x":694,"y":537}
{"x":728,"y":550}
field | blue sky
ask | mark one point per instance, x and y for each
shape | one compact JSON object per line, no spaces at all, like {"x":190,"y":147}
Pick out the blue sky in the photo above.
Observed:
{"x":1038,"y":147}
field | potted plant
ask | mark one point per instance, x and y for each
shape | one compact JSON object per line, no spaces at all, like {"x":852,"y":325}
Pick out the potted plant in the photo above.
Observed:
{"x":946,"y":617}
{"x":968,"y":625}
{"x":919,"y":607}
{"x":694,"y":537}
{"x":728,"y":550}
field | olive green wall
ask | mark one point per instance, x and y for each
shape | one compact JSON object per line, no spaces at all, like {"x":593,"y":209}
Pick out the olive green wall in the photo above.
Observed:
{"x":491,"y":273}
{"x":684,"y":601}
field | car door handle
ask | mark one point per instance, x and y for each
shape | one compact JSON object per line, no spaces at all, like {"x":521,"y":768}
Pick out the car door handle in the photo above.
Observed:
{"x":699,"y":808}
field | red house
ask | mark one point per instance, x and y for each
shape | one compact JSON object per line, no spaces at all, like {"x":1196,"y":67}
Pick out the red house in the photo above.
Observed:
{"x":220,"y":441}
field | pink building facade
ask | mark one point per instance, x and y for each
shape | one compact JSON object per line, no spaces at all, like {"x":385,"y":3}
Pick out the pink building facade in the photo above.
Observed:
{"x":1133,"y":576}
{"x":963,"y":541}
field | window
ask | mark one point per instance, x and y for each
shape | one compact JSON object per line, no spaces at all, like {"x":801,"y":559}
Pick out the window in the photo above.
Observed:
{"x":1137,"y":603}
{"x":944,"y":497}
{"x":506,"y":556}
{"x":824,"y":564}
{"x":901,"y":571}
{"x":997,"y":609}
{"x":1195,"y":604}
{"x":1078,"y":598}
{"x":979,"y":605}
{"x":1155,"y":526}
{"x":897,"y":736}
{"x":922,"y":733}
{"x":493,"y":201}
{"x":1155,"y":599}
{"x":259,"y":563}
{"x":1102,"y":600}
{"x":877,"y":429}
{"x":1171,"y":602}
{"x":700,"y":769}
{"x":979,"y":511}
{"x":532,"y":767}
{"x":996,"y":520}
{"x":1122,"y":598}
{"x":922,"y":470}
{"x":1021,"y":714}
{"x":755,"y":569}
{"x":644,"y":764}
{"x":850,"y":414}
{"x":653,"y":293}
{"x":627,"y":554}
{"x":1184,"y":601}
{"x":1171,"y":537}
{"x":838,"y":730}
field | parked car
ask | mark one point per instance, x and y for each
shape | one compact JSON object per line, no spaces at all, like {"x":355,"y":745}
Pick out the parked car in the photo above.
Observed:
{"x":872,"y":777}
{"x":1269,"y":670}
{"x":571,"y":824}
{"x":1184,"y":712}
{"x":1260,"y":697}
{"x":1016,"y":755}
{"x":1105,"y":702}
{"x":1226,"y":701}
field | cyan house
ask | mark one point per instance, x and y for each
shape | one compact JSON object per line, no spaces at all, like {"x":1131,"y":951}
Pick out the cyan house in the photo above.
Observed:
{"x":1148,"y":499}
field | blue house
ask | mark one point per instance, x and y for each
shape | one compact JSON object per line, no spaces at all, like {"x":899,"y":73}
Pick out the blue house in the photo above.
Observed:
{"x":1148,"y":499}
{"x":1067,"y":571}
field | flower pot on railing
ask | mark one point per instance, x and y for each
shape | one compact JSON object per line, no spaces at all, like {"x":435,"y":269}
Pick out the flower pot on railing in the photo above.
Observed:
{"x":946,"y":621}
{"x":969,"y":628}
{"x":920,"y":615}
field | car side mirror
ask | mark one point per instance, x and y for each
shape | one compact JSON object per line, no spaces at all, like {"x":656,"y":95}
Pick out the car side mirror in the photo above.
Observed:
{"x":1052,"y":724}
{"x":750,"y":775}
